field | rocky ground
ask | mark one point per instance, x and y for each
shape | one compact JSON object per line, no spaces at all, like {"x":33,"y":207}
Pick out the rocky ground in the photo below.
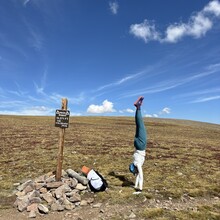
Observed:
{"x":107,"y":211}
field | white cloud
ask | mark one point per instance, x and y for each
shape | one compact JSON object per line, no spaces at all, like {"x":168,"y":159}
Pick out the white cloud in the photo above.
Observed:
{"x":149,"y":116}
{"x":199,"y":25}
{"x":106,"y":107}
{"x":114,"y":7}
{"x":34,"y":110}
{"x":196,"y":27}
{"x":145,"y":31}
{"x":128,"y":110}
{"x":213,"y":7}
{"x":165,"y":111}
{"x":175,"y":32}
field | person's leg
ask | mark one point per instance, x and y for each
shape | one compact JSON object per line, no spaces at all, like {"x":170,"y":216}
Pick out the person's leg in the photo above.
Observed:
{"x":136,"y":181}
{"x":139,"y":180}
{"x":140,"y":177}
{"x":140,"y":140}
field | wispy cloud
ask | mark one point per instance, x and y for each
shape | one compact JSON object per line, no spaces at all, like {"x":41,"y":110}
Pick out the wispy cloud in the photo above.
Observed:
{"x":196,"y":93}
{"x":197,"y":26}
{"x":114,"y":6}
{"x":206,"y":99}
{"x":172,"y":83}
{"x":19,"y":92}
{"x":40,"y":89}
{"x":72,"y":100}
{"x":35,"y":37}
{"x":29,"y":110}
{"x":121,"y":81}
{"x":26,"y":2}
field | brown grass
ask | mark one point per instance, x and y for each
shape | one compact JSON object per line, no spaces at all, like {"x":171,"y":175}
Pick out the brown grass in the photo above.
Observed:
{"x":183,"y":158}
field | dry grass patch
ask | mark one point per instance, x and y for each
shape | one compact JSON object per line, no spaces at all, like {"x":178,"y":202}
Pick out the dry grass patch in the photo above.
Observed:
{"x":182,"y":158}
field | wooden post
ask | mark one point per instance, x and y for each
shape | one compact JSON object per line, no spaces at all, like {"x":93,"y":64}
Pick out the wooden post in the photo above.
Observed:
{"x":61,"y":144}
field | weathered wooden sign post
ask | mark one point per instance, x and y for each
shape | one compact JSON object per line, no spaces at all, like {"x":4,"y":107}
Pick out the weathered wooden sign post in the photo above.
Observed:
{"x":61,"y":121}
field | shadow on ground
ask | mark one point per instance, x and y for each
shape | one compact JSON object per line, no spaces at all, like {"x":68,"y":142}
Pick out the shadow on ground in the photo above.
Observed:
{"x":123,"y":179}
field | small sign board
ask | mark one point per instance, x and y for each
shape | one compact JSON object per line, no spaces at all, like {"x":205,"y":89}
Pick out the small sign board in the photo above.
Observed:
{"x":62,"y":118}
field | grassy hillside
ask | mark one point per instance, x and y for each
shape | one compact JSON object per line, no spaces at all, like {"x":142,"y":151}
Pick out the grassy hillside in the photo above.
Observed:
{"x":181,"y":167}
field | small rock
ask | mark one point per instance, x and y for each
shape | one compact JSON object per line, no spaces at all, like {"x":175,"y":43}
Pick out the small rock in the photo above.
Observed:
{"x":157,"y":201}
{"x":33,"y":194}
{"x":79,"y":186}
{"x":132,"y":216}
{"x":43,"y":209}
{"x":20,"y":194}
{"x":24,"y":185}
{"x":73,"y":183}
{"x":35,"y":200}
{"x":90,"y":200}
{"x":68,"y":215}
{"x":29,"y":188}
{"x":97,"y":205}
{"x":54,"y":185}
{"x":22,"y":205}
{"x":75,"y":198}
{"x":83,"y":203}
{"x":77,"y":204}
{"x":32,"y":207}
{"x":48,"y":197}
{"x":50,"y":179}
{"x":39,"y":185}
{"x":60,"y":208}
{"x":69,"y":206}
{"x":61,"y":190}
{"x":43,"y":190}
{"x":54,"y":207}
{"x":32,"y":214}
{"x":179,"y":173}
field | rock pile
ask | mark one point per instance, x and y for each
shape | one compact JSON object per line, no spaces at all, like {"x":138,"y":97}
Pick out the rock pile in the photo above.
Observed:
{"x":45,"y":194}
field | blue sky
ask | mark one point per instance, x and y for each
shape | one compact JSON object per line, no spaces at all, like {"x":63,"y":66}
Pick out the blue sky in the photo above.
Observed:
{"x":102,"y":55}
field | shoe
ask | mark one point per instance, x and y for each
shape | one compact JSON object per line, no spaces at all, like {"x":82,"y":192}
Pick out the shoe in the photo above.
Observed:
{"x":139,"y":101}
{"x":138,"y":191}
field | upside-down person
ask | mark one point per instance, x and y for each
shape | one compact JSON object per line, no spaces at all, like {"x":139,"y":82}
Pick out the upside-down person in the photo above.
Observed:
{"x":140,"y":144}
{"x":97,"y":183}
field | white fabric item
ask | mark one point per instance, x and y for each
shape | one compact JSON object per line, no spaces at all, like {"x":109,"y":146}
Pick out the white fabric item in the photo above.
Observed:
{"x":139,"y":178}
{"x":139,"y":158}
{"x":94,"y":179}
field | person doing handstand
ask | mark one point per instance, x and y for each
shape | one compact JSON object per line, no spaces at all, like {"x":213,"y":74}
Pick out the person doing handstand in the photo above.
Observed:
{"x":140,"y":144}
